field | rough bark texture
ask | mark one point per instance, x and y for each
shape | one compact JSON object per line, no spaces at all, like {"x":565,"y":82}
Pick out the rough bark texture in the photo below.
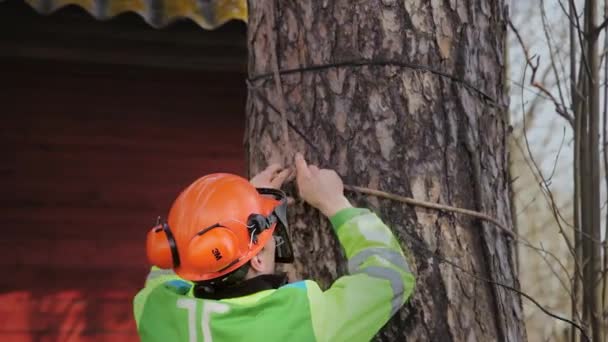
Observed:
{"x":406,"y":130}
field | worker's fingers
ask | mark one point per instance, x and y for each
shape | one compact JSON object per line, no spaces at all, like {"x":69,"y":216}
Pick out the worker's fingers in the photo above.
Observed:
{"x":264,"y":178}
{"x":314,"y":170}
{"x":291,"y":176}
{"x":271,"y":169}
{"x":301,"y":166}
{"x":280,"y":178}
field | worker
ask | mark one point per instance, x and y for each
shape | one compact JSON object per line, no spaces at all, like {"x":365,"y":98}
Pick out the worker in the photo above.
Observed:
{"x":214,"y":277}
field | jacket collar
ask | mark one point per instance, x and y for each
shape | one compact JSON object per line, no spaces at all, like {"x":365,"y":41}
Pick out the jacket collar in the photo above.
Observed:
{"x":241,"y":289}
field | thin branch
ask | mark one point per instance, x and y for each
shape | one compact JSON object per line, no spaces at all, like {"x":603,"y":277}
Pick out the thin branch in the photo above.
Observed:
{"x":578,"y":274}
{"x":431,"y":205}
{"x":548,"y":263}
{"x":599,"y":29}
{"x":552,"y":52}
{"x":540,"y":178}
{"x":568,"y":243}
{"x":533,"y":91}
{"x":531,"y":110}
{"x":538,"y":305}
{"x":525,"y":208}
{"x":551,"y":201}
{"x":559,"y":279}
{"x":561,"y":145}
{"x":566,"y":13}
{"x":559,"y":109}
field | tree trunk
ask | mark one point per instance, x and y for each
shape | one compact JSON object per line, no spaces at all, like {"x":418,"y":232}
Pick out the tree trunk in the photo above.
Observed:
{"x":590,"y":191}
{"x":427,"y":120}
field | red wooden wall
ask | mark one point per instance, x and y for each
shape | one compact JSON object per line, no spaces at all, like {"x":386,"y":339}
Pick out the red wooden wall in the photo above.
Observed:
{"x":90,"y":156}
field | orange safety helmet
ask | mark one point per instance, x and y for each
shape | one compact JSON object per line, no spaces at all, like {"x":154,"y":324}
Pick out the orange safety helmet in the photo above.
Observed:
{"x":216,"y":225}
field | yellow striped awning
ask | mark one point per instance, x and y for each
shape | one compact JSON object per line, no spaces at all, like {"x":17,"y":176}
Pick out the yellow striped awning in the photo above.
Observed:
{"x":209,"y":14}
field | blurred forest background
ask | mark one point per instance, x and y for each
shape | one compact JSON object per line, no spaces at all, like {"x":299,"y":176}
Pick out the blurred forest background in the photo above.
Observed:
{"x":550,"y":58}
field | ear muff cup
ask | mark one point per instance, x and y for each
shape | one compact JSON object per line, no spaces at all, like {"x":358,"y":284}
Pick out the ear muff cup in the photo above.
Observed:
{"x":158,"y":248}
{"x":213,"y":251}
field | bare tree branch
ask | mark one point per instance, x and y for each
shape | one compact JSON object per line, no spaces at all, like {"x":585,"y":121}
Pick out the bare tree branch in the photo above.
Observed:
{"x":559,"y":109}
{"x":599,"y":29}
{"x":568,"y":13}
{"x":531,"y":110}
{"x":556,"y":210}
{"x":552,"y":53}
{"x":557,"y":155}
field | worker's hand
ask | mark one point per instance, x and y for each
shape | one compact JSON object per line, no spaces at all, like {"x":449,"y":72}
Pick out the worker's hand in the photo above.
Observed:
{"x":321,"y":188}
{"x":273,"y":177}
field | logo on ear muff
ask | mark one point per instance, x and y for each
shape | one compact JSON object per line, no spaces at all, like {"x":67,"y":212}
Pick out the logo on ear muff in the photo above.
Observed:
{"x":213,"y":249}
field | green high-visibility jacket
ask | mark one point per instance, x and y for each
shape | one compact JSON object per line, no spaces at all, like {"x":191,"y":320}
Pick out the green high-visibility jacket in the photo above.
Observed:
{"x":354,"y":308}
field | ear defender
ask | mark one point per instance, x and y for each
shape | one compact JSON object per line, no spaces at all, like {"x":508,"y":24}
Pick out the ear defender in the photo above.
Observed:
{"x":213,"y":249}
{"x":161,"y":248}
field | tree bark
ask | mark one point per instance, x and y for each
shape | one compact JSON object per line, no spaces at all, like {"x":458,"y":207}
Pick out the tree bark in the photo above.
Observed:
{"x":433,"y":128}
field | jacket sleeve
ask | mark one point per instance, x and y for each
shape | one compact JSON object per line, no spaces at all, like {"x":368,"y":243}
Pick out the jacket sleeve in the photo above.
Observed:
{"x":380,"y":281}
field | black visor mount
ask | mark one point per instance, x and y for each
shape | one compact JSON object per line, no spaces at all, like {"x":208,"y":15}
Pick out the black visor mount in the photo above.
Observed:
{"x":283,"y":249}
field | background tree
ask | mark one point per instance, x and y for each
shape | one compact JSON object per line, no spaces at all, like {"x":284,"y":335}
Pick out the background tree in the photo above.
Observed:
{"x":556,"y":76}
{"x":407,"y":97}
{"x":550,"y":142}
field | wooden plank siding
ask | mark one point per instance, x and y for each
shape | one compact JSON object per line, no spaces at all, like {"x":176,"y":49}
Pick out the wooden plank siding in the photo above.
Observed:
{"x":91,"y":154}
{"x":71,"y":34}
